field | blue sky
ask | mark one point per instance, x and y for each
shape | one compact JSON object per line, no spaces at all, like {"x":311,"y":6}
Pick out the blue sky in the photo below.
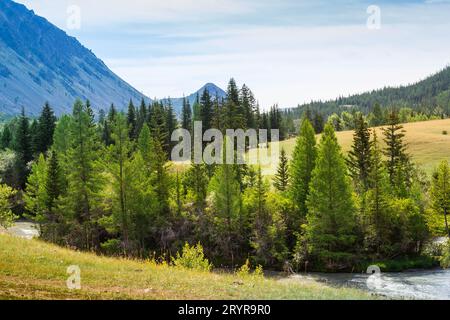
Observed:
{"x":286,"y":51}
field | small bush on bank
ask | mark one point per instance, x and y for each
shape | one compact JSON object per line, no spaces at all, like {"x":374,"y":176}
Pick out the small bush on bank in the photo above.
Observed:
{"x":192,"y":258}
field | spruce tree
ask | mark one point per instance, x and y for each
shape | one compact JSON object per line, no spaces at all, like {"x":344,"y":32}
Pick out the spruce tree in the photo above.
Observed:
{"x":398,"y":161}
{"x":6,"y":138}
{"x":54,"y":183}
{"x":117,"y":163}
{"x":186,"y":115}
{"x":82,"y":200}
{"x":46,"y":129}
{"x":132,"y":120}
{"x":23,"y":149}
{"x":281,"y":179}
{"x":142,"y":117}
{"x":331,"y":230}
{"x":206,"y":110}
{"x":302,"y":166}
{"x":226,"y":196}
{"x":377,"y":212}
{"x":359,"y":156}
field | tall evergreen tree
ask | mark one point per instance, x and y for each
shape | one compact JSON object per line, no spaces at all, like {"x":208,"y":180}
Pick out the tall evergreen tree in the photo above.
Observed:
{"x":359,"y":157}
{"x":331,"y":231}
{"x":281,"y":179}
{"x":186,"y":115}
{"x":226,"y":193}
{"x":82,"y":200}
{"x":378,"y":227}
{"x":46,"y":129}
{"x":23,"y":149}
{"x":117,"y":164}
{"x":206,"y":110}
{"x":302,"y":166}
{"x":397,"y":159}
{"x":132,"y":120}
{"x":6,"y":138}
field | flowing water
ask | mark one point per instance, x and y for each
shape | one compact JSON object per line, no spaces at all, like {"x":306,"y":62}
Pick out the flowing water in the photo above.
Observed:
{"x":427,"y":284}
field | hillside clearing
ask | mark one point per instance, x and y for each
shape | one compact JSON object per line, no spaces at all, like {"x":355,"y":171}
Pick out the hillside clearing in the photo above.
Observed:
{"x":32,"y":269}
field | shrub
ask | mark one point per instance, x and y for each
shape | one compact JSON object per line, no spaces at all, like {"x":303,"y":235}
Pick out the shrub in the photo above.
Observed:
{"x":244,"y":271}
{"x":112,"y":247}
{"x":192,"y":258}
{"x":445,"y":259}
{"x":6,"y":215}
{"x":444,"y":132}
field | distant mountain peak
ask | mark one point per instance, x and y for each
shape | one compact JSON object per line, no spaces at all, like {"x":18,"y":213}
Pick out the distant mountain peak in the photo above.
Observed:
{"x":213,"y":90}
{"x":40,"y":62}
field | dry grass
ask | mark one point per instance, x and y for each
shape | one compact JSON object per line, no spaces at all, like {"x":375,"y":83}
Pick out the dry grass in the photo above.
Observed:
{"x":31,"y":269}
{"x":426,"y":143}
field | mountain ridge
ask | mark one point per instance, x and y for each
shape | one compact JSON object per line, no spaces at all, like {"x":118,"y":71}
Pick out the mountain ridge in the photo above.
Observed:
{"x":40,"y":63}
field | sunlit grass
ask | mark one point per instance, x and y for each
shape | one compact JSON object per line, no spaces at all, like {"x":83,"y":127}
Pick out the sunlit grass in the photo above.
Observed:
{"x":32,"y":269}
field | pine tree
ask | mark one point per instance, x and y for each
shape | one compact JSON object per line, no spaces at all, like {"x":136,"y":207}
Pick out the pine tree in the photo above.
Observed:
{"x":440,"y":192}
{"x":117,"y":163}
{"x":82,"y":200}
{"x":196,"y":182}
{"x":186,"y":115}
{"x":302,"y":166}
{"x":46,"y":129}
{"x":247,"y":100}
{"x":281,"y":179}
{"x":378,"y":116}
{"x":206,"y":110}
{"x":378,"y":225}
{"x":36,"y":198}
{"x":398,"y":161}
{"x":266,"y":227}
{"x":226,"y":194}
{"x":6,"y":138}
{"x":54,"y":183}
{"x":132,"y":120}
{"x":23,"y":149}
{"x":359,"y":156}
{"x":330,"y":233}
{"x":142,"y":117}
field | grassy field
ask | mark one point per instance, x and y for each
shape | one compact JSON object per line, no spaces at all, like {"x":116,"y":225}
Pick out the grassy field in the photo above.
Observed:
{"x":426,"y":143}
{"x":31,"y":269}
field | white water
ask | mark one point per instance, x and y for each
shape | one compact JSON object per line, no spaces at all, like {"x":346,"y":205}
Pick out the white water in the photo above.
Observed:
{"x":428,"y":284}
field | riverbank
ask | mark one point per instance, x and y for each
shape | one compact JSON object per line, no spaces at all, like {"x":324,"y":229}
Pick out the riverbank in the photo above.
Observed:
{"x":32,"y":269}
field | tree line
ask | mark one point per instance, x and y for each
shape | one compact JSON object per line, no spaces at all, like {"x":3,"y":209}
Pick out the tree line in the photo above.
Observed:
{"x":108,"y":185}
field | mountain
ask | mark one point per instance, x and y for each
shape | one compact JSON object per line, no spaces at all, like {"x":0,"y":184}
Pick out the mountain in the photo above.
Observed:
{"x":213,"y":90}
{"x":39,"y":63}
{"x":426,"y":95}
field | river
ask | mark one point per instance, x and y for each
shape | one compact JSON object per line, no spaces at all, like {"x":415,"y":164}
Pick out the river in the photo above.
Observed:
{"x":427,"y":284}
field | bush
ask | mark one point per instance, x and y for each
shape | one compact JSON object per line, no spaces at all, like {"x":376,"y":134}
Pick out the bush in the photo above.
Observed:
{"x":444,"y":132}
{"x":192,"y":258}
{"x":445,"y":259}
{"x":244,"y":271}
{"x":112,"y":247}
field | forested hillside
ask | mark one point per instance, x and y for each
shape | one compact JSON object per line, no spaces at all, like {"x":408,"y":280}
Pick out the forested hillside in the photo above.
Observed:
{"x":430,"y":96}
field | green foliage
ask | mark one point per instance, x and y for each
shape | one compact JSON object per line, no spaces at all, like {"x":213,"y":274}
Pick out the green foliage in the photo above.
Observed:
{"x":331,"y":231}
{"x":281,"y":180}
{"x":440,"y":192}
{"x":192,"y":257}
{"x":6,"y":215}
